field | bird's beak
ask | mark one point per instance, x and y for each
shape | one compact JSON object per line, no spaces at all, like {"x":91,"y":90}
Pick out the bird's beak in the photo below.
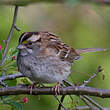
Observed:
{"x":20,"y":46}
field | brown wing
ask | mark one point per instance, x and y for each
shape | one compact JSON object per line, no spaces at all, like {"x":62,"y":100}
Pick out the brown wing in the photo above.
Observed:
{"x":57,"y":48}
{"x":67,"y":53}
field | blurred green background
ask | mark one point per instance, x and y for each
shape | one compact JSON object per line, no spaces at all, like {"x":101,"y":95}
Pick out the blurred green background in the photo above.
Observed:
{"x":81,"y":25}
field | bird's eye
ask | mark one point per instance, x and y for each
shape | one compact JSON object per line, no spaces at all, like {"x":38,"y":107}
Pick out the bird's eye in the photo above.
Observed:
{"x":30,"y":43}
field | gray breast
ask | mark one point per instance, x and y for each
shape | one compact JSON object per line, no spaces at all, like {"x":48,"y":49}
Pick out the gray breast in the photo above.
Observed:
{"x":44,"y":69}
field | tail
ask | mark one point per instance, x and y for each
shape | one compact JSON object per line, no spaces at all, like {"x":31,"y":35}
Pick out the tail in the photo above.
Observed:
{"x":83,"y":50}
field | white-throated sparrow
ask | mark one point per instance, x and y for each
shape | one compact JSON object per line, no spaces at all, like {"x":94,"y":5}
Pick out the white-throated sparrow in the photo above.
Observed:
{"x":44,"y":58}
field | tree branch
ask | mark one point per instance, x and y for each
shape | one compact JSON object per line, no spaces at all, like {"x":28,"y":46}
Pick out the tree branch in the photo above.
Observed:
{"x":90,"y":104}
{"x":93,"y":76}
{"x":76,"y":90}
{"x":11,"y":77}
{"x":87,"y":108}
{"x":97,"y":1}
{"x":10,"y":35}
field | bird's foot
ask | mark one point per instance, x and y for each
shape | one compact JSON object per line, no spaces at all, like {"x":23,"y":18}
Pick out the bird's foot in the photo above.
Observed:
{"x":31,"y":87}
{"x":38,"y":85}
{"x":56,"y":89}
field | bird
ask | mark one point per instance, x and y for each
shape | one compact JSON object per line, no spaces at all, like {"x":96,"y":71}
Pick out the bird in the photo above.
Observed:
{"x":44,"y":58}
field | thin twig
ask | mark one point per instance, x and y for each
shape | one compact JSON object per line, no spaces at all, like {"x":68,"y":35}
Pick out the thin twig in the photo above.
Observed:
{"x":82,"y":108}
{"x":60,"y":103}
{"x":89,"y":104}
{"x":18,"y":29}
{"x":89,"y":101}
{"x":98,"y":1}
{"x":93,"y":76}
{"x":10,"y":35}
{"x":3,"y":84}
{"x":11,"y":77}
{"x":86,"y":108}
{"x":61,"y":100}
{"x":93,"y":102}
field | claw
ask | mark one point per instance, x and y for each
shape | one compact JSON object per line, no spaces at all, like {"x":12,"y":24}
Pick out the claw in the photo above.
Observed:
{"x":31,"y":87}
{"x":56,"y":89}
{"x":35,"y":85}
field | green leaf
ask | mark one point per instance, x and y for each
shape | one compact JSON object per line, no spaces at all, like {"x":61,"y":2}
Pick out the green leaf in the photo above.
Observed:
{"x":24,"y":81}
{"x":5,"y":107}
{"x":72,"y":104}
{"x":11,"y":82}
{"x":3,"y":97}
{"x":72,"y":2}
{"x":15,"y":105}
{"x":0,"y":54}
{"x":12,"y":108}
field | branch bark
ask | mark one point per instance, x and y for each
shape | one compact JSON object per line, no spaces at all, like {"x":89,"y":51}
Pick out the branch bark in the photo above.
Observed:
{"x":98,"y":1}
{"x":76,"y":90}
{"x":11,"y":77}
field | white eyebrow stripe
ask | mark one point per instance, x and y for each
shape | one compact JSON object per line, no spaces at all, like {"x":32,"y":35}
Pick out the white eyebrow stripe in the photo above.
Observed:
{"x":34,"y":38}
